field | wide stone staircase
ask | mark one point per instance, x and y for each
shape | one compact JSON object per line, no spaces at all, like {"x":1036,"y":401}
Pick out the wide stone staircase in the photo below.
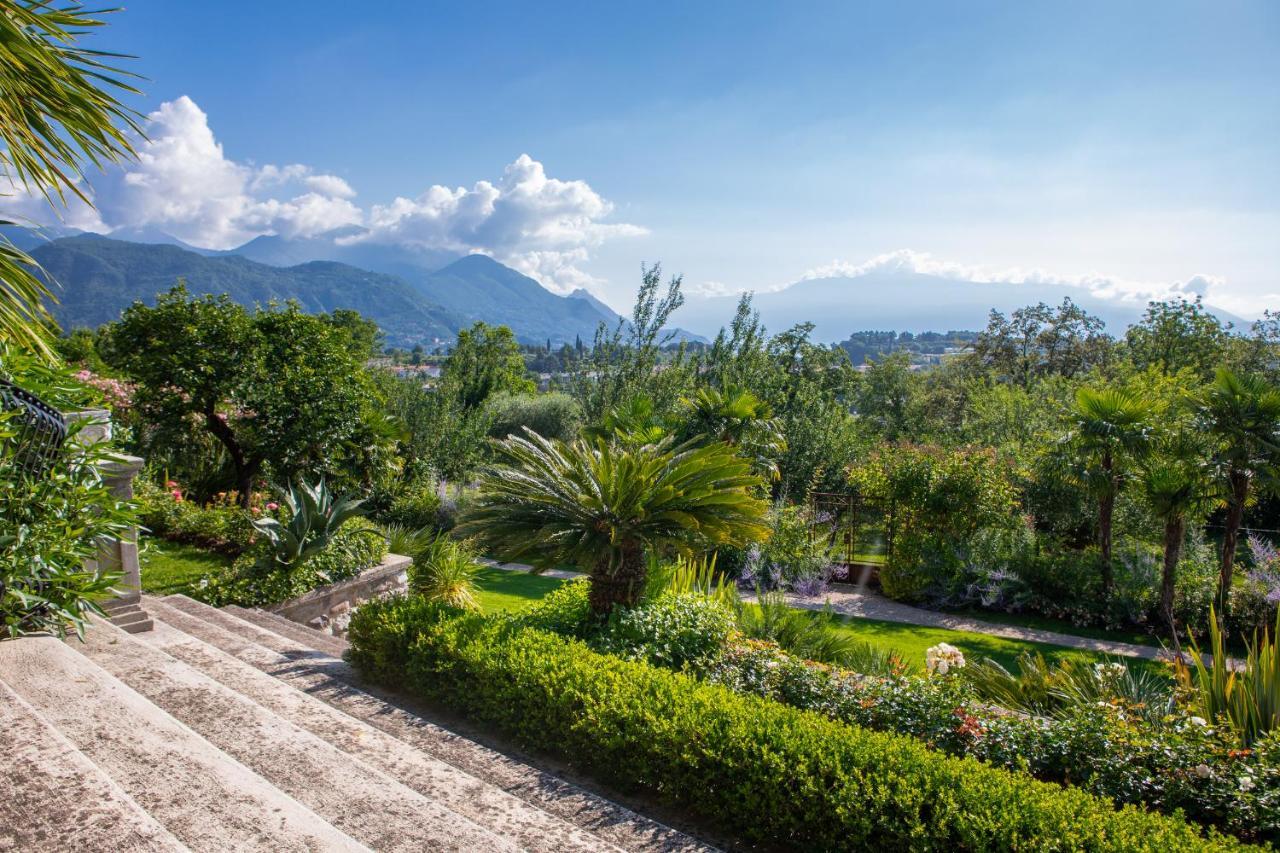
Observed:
{"x":239,"y":730}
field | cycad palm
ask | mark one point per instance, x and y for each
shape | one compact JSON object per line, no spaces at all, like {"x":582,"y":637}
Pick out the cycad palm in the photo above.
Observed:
{"x":601,"y":505}
{"x":1111,"y":424}
{"x":1243,"y":412}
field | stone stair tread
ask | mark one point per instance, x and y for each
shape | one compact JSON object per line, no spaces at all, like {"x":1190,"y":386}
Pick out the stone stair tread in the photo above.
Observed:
{"x":355,"y":798}
{"x":321,"y":640}
{"x":333,"y":680}
{"x":53,"y":798}
{"x":194,"y":790}
{"x":489,"y":806}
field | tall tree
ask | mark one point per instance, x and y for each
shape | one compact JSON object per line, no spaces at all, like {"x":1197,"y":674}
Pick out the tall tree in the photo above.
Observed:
{"x":1243,"y":412}
{"x":276,"y":386}
{"x":1040,"y":340}
{"x":602,"y":505}
{"x":59,"y":111}
{"x":485,"y":360}
{"x":1112,"y":425}
{"x":1175,"y":335}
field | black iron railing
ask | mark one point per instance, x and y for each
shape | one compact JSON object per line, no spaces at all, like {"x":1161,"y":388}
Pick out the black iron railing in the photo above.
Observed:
{"x":41,"y":429}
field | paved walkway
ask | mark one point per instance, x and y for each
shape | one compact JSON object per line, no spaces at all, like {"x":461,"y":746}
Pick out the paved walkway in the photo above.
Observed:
{"x":850,"y":601}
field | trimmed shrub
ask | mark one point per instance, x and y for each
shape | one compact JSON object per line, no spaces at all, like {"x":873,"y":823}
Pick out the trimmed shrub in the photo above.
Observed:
{"x":675,"y":630}
{"x":763,"y":771}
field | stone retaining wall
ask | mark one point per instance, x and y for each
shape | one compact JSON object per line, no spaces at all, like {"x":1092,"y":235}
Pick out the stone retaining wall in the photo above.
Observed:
{"x":329,"y":608}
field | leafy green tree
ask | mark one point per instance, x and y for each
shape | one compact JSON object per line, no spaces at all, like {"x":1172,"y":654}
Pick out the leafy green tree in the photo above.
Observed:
{"x":1176,"y":335}
{"x":624,"y":362}
{"x":883,"y":398}
{"x":366,"y":338}
{"x":59,"y":112}
{"x":602,"y":505}
{"x":486,"y":360}
{"x":1111,"y":426}
{"x":277,"y":386}
{"x":552,"y":415}
{"x":1039,"y":340}
{"x":1243,"y":413}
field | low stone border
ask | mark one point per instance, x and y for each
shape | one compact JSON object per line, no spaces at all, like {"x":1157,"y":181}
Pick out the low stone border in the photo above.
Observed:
{"x":329,"y":608}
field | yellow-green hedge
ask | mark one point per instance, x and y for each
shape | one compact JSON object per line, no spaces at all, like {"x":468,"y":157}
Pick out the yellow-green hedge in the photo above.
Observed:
{"x":760,"y":770}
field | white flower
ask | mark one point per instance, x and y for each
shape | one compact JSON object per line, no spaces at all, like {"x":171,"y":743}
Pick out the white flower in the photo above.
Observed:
{"x":1247,"y":783}
{"x":1203,"y":771}
{"x":942,"y":658}
{"x":1199,"y":721}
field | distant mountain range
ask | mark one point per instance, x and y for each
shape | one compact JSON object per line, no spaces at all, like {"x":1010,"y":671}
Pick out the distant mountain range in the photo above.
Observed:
{"x":905,"y":301}
{"x":95,"y":278}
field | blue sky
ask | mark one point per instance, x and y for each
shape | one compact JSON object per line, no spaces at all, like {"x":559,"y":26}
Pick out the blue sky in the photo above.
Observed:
{"x":747,"y":144}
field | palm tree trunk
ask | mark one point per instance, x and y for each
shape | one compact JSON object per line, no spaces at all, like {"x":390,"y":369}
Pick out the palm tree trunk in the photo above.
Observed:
{"x":1239,"y":481}
{"x":1106,"y":510}
{"x":619,"y":585}
{"x":1174,"y":530}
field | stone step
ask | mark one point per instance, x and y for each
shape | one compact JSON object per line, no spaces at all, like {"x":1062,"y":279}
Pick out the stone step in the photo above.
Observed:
{"x":332,"y":680}
{"x":53,"y":798}
{"x":490,"y":807}
{"x":321,"y":640}
{"x":357,"y":799}
{"x":203,"y":797}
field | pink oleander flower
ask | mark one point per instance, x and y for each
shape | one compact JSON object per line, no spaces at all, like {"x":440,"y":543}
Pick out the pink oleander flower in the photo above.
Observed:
{"x":255,"y":510}
{"x":177,"y":495}
{"x":172,"y":484}
{"x":273,"y":506}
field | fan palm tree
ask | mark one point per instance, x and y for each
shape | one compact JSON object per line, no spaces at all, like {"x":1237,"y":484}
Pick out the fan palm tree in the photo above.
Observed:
{"x":1178,"y":486}
{"x":58,"y":114}
{"x":601,"y":505}
{"x":738,"y":418}
{"x":1243,"y":412}
{"x":1111,"y":425}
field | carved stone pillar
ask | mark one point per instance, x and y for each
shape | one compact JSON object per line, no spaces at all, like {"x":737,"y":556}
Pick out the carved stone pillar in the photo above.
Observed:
{"x":117,"y":555}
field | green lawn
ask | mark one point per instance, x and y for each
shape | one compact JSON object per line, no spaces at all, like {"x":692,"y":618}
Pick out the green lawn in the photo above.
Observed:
{"x":170,"y":567}
{"x":502,"y":590}
{"x":911,"y":641}
{"x":1044,"y":623}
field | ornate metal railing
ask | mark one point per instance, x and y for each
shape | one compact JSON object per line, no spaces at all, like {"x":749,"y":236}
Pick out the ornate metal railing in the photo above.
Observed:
{"x":41,"y":429}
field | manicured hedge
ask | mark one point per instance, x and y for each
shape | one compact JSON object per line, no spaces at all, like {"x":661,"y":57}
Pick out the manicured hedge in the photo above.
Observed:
{"x":761,"y":770}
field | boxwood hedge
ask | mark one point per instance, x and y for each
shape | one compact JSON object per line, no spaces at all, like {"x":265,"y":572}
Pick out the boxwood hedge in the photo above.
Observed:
{"x":760,"y":770}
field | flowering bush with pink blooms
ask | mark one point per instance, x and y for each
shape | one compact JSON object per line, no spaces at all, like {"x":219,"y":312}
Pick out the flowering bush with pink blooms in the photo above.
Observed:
{"x":117,"y":394}
{"x":219,"y":526}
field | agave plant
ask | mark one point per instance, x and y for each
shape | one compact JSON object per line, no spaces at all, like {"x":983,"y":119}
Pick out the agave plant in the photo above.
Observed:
{"x":315,"y":516}
{"x":1247,"y":698}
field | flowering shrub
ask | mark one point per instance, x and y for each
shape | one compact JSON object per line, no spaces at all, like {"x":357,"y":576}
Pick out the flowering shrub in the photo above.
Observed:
{"x":221,"y":526}
{"x":116,"y":393}
{"x":943,"y":658}
{"x":1108,"y":748}
{"x":795,"y":555}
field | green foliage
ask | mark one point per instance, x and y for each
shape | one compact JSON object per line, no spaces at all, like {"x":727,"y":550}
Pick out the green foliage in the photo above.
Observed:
{"x":690,"y":574}
{"x":221,"y":526}
{"x":1247,"y":699}
{"x":763,"y":772}
{"x":416,"y":504}
{"x":551,"y":415}
{"x":60,"y":113}
{"x":677,"y":630}
{"x":1039,"y":341}
{"x":275,"y":387}
{"x":313,"y":516}
{"x":50,"y":524}
{"x":444,"y":570}
{"x":601,"y":506}
{"x":256,"y":579}
{"x":938,"y":500}
{"x":1178,"y":335}
{"x":565,"y":610}
{"x":484,"y":361}
{"x":402,"y":539}
{"x":1064,"y":687}
{"x":812,"y":636}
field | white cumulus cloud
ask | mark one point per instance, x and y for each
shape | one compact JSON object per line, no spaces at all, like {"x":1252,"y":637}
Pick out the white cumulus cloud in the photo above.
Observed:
{"x":184,"y":184}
